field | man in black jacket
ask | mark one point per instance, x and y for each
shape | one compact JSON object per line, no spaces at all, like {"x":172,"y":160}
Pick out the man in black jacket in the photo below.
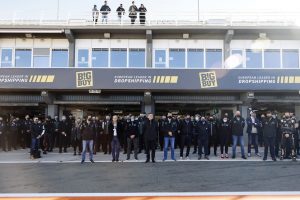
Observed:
{"x":37,"y":131}
{"x":121,"y":11}
{"x":201,"y":130}
{"x":63,"y":130}
{"x":186,"y":132}
{"x":151,"y":134}
{"x":88,"y":131}
{"x":269,"y":130}
{"x":132,"y":132}
{"x":237,"y":127}
{"x":105,"y":10}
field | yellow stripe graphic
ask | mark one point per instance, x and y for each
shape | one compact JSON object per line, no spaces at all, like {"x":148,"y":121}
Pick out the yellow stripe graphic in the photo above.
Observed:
{"x":50,"y":79}
{"x":162,"y":79}
{"x":167,"y":79}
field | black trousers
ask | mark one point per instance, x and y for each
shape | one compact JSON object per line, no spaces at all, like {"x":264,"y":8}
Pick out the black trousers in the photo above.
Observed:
{"x":185,"y":139}
{"x":224,"y":142}
{"x":161,"y":141}
{"x":62,"y":142}
{"x":76,"y":143}
{"x":106,"y":141}
{"x":202,"y":142}
{"x":150,"y":145}
{"x":213,"y":141}
{"x":141,"y":143}
{"x":269,"y":143}
{"x":2,"y":141}
{"x":135,"y":142}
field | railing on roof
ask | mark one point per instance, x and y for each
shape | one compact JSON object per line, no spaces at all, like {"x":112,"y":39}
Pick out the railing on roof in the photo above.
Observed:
{"x":217,"y":18}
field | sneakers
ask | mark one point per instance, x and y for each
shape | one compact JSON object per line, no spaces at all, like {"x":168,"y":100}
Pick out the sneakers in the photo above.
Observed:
{"x":199,"y":157}
{"x":249,"y":154}
{"x":92,"y":161}
{"x":244,"y":157}
{"x":187,"y":158}
{"x":222,"y":156}
{"x":226,"y":156}
{"x":264,"y":159}
{"x":82,"y":161}
{"x":181,"y":158}
{"x":258,"y":154}
{"x":206,"y":157}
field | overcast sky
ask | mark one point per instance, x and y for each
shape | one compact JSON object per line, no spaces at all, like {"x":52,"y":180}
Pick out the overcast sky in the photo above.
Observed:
{"x":78,"y":8}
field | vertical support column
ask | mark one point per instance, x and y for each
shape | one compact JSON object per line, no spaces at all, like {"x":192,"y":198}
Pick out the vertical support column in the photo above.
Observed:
{"x":71,"y":40}
{"x":297,"y":111}
{"x":52,"y":110}
{"x":149,"y":49}
{"x":227,"y":41}
{"x":148,"y":105}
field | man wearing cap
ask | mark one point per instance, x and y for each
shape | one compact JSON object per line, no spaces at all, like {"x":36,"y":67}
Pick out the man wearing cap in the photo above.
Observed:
{"x":253,"y":125}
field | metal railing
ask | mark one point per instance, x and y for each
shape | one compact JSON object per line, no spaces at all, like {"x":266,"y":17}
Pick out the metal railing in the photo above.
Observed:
{"x":215,"y":18}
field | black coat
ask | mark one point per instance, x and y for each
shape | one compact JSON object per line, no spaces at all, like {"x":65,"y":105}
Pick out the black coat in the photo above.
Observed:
{"x":36,"y":130}
{"x":119,"y":130}
{"x":237,"y":126}
{"x":186,"y":128}
{"x":132,"y":128}
{"x":270,"y":127}
{"x":169,"y":127}
{"x":201,"y":129}
{"x":151,"y":130}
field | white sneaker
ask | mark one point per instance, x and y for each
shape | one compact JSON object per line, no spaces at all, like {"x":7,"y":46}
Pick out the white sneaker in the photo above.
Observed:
{"x":249,"y":154}
{"x":181,"y":158}
{"x":258,"y":155}
{"x":187,"y":158}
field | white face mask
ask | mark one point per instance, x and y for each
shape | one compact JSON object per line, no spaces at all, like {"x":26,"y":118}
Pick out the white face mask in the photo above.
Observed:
{"x":225,"y":120}
{"x":197,"y":118}
{"x":132,"y":119}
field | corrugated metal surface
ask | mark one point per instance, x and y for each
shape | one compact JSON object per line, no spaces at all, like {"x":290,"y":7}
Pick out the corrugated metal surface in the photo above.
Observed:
{"x":195,"y":98}
{"x":21,"y":99}
{"x":119,"y":98}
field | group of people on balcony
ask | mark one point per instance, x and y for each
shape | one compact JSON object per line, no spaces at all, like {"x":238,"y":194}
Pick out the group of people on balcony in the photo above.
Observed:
{"x":133,"y":13}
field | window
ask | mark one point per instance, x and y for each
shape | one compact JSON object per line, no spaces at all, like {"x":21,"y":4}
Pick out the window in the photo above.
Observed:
{"x":59,"y":58}
{"x":235,"y":60}
{"x":118,"y":58}
{"x":177,"y":58}
{"x":214,"y":58}
{"x":23,"y":57}
{"x":253,"y":58}
{"x":137,"y":58}
{"x":195,"y":58}
{"x":290,"y":58}
{"x":272,"y":58}
{"x":83,"y":58}
{"x":6,"y":58}
{"x":100,"y":57}
{"x":41,"y":57}
{"x":160,"y":58}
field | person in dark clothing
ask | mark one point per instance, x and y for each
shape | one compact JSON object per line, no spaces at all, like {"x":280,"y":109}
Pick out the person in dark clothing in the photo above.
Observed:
{"x":76,"y":137}
{"x":12,"y":135}
{"x":121,"y":11}
{"x":106,"y":137}
{"x":63,"y":130}
{"x":97,"y":129}
{"x":287,"y":138}
{"x":142,"y":11}
{"x":133,"y":12}
{"x":26,"y":135}
{"x":253,"y":126}
{"x":132,"y":132}
{"x":201,"y":130}
{"x":141,"y":122}
{"x":213,"y":134}
{"x":2,"y":134}
{"x":37,"y":130}
{"x":105,"y":10}
{"x":55,"y":137}
{"x":269,"y":130}
{"x":186,"y":132}
{"x":116,"y":133}
{"x":48,"y":136}
{"x":151,"y":134}
{"x":170,"y":130}
{"x":237,"y":127}
{"x":95,"y":14}
{"x":225,"y":134}
{"x":87,"y":130}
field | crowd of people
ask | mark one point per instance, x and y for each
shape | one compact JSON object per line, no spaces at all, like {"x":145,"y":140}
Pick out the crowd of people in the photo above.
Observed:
{"x":133,"y":12}
{"x":137,"y":134}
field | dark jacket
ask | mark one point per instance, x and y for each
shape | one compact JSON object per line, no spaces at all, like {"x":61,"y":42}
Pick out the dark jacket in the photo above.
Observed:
{"x":119,"y":130}
{"x":237,"y":126}
{"x":36,"y":130}
{"x":49,"y":127}
{"x":132,"y":129}
{"x":63,"y":127}
{"x":105,"y":9}
{"x":133,"y":11}
{"x":150,"y":130}
{"x":186,"y":128}
{"x":76,"y":132}
{"x":270,"y":127}
{"x":250,"y":124}
{"x":120,"y":10}
{"x":170,"y":127}
{"x":142,"y":12}
{"x":224,"y":129}
{"x":105,"y":126}
{"x":212,"y":128}
{"x":2,"y":127}
{"x":201,"y":129}
{"x":88,"y":131}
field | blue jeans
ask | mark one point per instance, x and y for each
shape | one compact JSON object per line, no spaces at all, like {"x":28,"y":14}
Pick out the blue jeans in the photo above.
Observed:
{"x":237,"y":139}
{"x":115,"y":145}
{"x":86,"y":143}
{"x":253,"y":140}
{"x":167,"y":141}
{"x":34,"y":145}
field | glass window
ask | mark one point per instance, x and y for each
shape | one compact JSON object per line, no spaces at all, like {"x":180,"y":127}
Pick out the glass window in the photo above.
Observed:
{"x":160,"y":58}
{"x":195,"y":58}
{"x":59,"y":58}
{"x":83,"y":58}
{"x":235,"y":60}
{"x":290,"y":58}
{"x":41,"y":57}
{"x":272,"y":58}
{"x":214,"y":58}
{"x":137,"y":58}
{"x":100,"y":57}
{"x":177,"y":58}
{"x":253,"y":58}
{"x":6,"y":58}
{"x":23,"y":57}
{"x":118,"y":58}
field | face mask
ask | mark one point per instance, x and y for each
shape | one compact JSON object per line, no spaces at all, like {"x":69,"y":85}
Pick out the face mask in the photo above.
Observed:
{"x":197,"y":118}
{"x":132,"y":119}
{"x":225,"y":120}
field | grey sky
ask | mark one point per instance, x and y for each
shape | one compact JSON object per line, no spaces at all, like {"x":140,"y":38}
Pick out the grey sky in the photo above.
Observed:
{"x":29,"y":9}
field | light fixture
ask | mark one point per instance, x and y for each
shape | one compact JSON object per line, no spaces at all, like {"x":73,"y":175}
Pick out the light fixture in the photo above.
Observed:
{"x":185,"y":36}
{"x":106,"y":35}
